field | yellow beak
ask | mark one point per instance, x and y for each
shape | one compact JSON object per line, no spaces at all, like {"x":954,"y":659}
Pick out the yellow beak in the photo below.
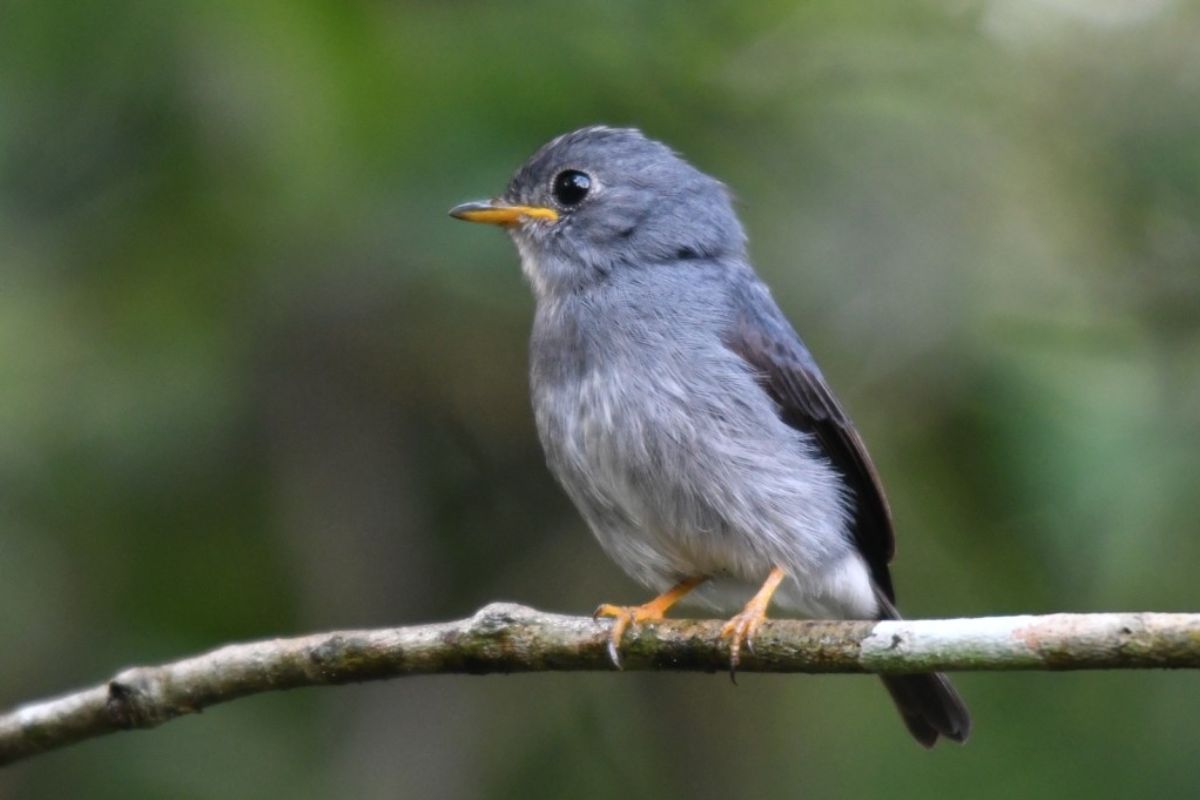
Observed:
{"x":494,"y":212}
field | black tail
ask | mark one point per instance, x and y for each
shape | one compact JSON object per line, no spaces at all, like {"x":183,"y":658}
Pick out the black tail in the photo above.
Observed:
{"x":930,"y":707}
{"x":927,"y":702}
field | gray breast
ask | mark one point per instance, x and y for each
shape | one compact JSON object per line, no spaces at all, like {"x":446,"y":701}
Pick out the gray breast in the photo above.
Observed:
{"x":671,"y":451}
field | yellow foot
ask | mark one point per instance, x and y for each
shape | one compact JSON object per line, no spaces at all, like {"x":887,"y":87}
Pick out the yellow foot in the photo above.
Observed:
{"x":741,"y":629}
{"x":623,"y":617}
{"x":740,"y":632}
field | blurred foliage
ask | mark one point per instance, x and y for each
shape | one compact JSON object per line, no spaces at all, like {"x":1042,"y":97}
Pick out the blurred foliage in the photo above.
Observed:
{"x":257,"y":383}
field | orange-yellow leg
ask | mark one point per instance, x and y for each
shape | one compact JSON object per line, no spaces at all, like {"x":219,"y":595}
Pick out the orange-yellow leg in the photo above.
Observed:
{"x":623,"y":616}
{"x":740,"y":630}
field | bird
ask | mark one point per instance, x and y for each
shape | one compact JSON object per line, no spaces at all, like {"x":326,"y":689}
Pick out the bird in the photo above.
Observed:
{"x":681,"y":412}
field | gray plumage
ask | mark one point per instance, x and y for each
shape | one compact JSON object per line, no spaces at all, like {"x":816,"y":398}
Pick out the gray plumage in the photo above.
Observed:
{"x":681,"y":412}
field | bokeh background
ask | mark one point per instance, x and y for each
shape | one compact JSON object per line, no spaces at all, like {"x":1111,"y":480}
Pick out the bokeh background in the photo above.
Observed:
{"x":254,"y":382}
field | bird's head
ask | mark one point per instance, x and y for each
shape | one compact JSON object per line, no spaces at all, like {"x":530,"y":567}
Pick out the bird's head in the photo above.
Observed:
{"x":603,"y":199}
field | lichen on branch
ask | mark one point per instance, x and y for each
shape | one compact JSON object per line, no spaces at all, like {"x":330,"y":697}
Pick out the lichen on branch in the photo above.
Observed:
{"x":504,"y":637}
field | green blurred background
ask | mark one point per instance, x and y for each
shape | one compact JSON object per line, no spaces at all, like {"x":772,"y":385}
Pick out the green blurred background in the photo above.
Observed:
{"x":255,"y":382}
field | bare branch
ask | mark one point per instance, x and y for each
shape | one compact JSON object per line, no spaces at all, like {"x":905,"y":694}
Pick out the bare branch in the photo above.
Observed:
{"x":509,"y":638}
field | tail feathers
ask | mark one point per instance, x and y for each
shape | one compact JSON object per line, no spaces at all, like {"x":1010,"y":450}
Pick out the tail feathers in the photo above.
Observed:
{"x":930,"y":707}
{"x":928,"y":703}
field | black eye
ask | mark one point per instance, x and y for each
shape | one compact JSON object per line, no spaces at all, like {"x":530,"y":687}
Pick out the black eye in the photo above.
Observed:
{"x":571,"y":186}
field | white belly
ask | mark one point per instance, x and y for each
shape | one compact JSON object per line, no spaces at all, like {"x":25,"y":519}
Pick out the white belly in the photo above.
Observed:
{"x":676,"y":489}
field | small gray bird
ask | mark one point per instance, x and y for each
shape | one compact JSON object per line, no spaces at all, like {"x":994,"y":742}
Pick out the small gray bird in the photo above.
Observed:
{"x":681,"y":412}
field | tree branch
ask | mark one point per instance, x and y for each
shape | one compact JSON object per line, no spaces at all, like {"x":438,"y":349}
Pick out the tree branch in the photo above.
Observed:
{"x":509,"y":638}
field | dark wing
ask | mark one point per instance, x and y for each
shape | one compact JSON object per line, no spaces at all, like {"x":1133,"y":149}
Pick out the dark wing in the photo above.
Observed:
{"x":763,"y":337}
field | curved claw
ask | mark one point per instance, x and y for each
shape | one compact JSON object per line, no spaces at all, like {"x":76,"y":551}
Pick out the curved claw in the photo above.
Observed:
{"x":624,"y":616}
{"x":621,"y":616}
{"x":740,"y":631}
